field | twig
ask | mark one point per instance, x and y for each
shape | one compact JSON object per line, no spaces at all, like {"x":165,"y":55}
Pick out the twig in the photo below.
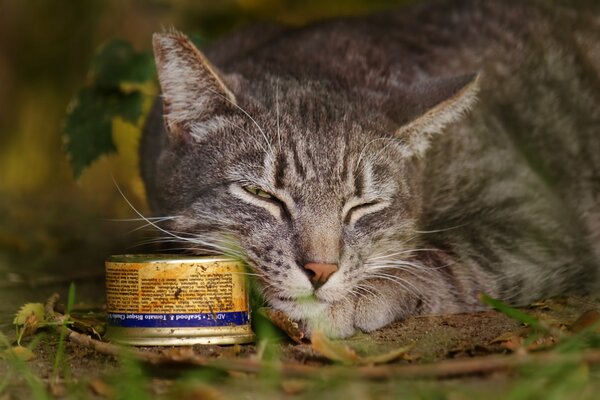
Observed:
{"x":443,"y":369}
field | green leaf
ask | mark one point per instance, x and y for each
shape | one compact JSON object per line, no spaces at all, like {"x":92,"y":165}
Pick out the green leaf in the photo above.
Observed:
{"x":118,"y":78}
{"x":88,"y":126}
{"x":117,"y":62}
{"x":513,"y":312}
{"x":88,"y":130}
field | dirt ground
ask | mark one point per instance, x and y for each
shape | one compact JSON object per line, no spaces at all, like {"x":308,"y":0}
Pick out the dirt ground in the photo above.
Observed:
{"x":87,"y":373}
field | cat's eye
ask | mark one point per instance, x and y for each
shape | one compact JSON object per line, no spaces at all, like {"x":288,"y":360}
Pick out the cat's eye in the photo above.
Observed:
{"x":267,"y":197}
{"x":363,"y":206}
{"x":359,"y":210}
{"x":259,"y":192}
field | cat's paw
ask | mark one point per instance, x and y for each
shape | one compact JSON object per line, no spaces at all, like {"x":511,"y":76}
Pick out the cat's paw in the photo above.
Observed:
{"x":335,"y":321}
{"x":371,"y":314}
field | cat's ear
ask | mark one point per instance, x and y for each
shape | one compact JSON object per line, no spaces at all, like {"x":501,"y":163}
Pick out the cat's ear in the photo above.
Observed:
{"x":434,"y":105}
{"x":192,"y":90}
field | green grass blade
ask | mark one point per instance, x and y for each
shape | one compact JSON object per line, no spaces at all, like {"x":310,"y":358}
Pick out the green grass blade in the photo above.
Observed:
{"x":512,"y":312}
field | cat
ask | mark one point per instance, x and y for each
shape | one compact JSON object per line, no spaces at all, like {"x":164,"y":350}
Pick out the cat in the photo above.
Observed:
{"x":373,"y":168}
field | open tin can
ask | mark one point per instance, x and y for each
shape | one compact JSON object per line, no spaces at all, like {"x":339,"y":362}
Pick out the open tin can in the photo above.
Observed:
{"x":164,"y":300}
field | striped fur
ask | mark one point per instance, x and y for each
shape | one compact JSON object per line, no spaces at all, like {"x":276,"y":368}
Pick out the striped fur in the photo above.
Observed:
{"x":376,"y":147}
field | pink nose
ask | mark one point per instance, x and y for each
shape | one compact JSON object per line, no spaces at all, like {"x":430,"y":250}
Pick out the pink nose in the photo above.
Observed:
{"x":321,"y":271}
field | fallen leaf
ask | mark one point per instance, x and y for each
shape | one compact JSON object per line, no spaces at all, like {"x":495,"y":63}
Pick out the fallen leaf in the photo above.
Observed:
{"x":512,"y":344}
{"x":293,"y":386}
{"x":283,"y":322}
{"x":390,"y":356}
{"x":30,"y":313}
{"x":542,"y":343}
{"x":337,"y":351}
{"x":506,"y":336}
{"x":19,"y":352}
{"x":587,"y":320}
{"x":199,"y":391}
{"x":101,"y":388}
{"x":57,"y":389}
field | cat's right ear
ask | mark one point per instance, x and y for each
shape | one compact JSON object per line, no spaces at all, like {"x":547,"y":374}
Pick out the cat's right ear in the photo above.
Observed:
{"x":434,"y":105}
{"x":192,"y":91}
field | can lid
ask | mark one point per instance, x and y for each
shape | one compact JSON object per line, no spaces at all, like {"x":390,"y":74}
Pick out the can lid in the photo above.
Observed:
{"x":168,"y":258}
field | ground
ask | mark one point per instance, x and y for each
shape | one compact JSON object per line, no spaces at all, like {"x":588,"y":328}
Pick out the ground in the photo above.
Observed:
{"x":459,"y":352}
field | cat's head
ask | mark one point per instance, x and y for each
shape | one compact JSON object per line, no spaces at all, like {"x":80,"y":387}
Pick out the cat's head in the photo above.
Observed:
{"x":312,"y":182}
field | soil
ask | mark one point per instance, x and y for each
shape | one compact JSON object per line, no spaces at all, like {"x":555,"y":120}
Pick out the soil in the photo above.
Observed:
{"x":433,"y":338}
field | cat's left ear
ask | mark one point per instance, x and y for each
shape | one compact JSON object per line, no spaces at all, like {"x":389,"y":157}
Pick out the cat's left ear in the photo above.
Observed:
{"x":434,"y":105}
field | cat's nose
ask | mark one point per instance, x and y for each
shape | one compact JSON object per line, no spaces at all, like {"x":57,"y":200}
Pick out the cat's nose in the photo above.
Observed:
{"x":320,"y":272}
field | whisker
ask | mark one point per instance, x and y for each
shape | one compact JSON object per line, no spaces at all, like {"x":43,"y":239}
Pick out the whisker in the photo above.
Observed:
{"x":402,"y":282}
{"x":158,"y":219}
{"x":378,"y":257}
{"x":443,"y":229}
{"x":140,"y":214}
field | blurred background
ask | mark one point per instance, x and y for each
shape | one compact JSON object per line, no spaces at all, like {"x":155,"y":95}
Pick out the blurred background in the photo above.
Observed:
{"x":55,"y":229}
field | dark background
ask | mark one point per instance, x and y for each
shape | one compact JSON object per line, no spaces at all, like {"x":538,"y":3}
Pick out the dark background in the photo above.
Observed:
{"x":55,"y":229}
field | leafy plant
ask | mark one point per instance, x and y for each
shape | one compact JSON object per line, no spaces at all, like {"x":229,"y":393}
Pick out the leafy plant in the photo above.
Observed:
{"x":120,"y":78}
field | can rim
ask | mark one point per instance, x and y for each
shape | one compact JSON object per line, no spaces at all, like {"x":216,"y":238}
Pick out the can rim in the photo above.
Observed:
{"x":168,"y":258}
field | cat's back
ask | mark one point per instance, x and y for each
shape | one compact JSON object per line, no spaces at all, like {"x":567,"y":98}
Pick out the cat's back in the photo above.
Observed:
{"x":437,"y":38}
{"x":540,"y":86}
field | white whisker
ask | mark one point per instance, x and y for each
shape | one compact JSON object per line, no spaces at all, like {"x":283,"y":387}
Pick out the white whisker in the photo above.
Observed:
{"x":443,"y":229}
{"x":400,"y":281}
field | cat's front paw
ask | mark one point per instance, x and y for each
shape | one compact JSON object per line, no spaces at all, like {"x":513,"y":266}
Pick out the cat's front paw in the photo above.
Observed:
{"x":371,"y":313}
{"x":336,"y":321}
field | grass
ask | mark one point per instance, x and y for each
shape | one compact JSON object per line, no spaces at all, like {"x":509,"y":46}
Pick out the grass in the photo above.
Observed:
{"x":72,"y":370}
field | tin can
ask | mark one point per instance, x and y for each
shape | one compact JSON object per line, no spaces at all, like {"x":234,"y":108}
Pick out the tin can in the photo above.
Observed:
{"x":162,"y":300}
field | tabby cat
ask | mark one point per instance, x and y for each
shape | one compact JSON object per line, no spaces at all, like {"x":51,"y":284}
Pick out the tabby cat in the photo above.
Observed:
{"x":373,"y":168}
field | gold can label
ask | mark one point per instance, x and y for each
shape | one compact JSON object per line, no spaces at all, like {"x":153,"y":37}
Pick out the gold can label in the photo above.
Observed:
{"x":192,"y":296}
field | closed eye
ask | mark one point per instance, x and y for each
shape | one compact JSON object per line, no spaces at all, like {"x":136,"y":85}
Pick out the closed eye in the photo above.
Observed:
{"x":258,"y":192}
{"x":261,"y":198}
{"x":358,"y":210}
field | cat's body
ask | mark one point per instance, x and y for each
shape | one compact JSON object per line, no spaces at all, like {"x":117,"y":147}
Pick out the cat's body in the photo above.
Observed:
{"x":345,"y":144}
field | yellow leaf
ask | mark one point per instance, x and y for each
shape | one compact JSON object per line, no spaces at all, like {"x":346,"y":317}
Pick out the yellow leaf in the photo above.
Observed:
{"x":337,"y":351}
{"x":19,"y":353}
{"x":30,"y":315}
{"x":387,"y":357}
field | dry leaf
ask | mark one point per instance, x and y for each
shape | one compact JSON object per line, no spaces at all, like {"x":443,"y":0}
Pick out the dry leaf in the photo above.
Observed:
{"x":20,"y":353}
{"x":57,"y":389}
{"x":337,"y":351}
{"x":506,"y":336}
{"x":390,"y":356}
{"x":101,"y":388}
{"x":199,"y":391}
{"x":542,"y":343}
{"x":586,"y":320}
{"x":293,"y":386}
{"x":283,"y":322}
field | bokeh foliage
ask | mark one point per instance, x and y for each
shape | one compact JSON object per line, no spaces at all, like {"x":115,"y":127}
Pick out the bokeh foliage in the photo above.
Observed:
{"x":116,"y":86}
